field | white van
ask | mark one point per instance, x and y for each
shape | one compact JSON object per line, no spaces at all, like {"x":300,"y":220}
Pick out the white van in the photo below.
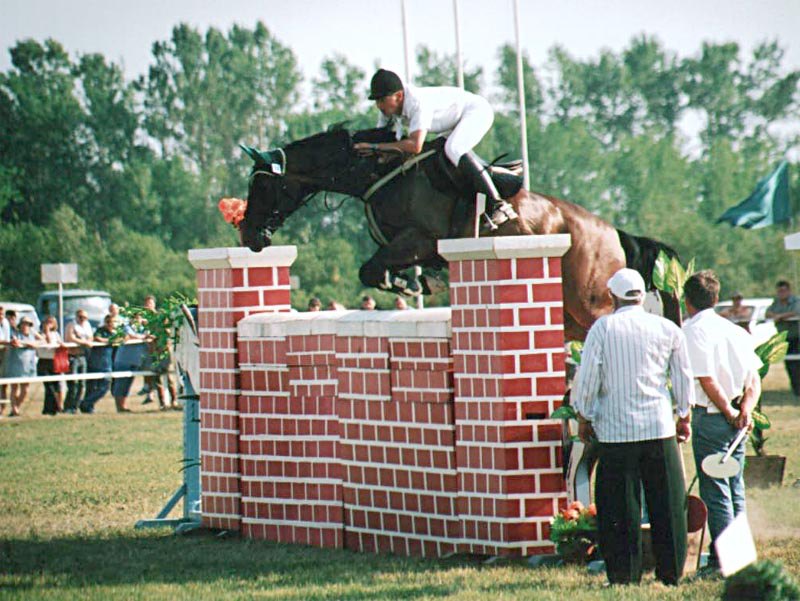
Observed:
{"x":23,"y":310}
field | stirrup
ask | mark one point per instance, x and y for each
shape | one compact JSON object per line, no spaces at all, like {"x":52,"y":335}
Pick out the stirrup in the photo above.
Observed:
{"x":503,"y":212}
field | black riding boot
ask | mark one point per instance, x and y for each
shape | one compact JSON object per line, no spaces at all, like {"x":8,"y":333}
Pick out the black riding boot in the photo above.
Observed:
{"x":500,"y":210}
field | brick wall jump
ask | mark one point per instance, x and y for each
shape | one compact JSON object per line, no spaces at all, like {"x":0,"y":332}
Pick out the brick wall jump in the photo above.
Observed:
{"x":412,"y":432}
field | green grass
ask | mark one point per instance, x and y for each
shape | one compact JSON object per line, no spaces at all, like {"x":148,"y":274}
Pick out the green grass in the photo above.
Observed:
{"x":71,"y":488}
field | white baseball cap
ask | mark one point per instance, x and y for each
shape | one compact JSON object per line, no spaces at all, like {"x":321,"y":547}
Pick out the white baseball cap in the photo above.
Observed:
{"x":626,"y":284}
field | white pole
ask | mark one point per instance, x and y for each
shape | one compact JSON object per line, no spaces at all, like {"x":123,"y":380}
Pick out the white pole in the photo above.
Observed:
{"x":407,"y":54}
{"x":523,"y":122}
{"x":61,"y":308}
{"x":406,"y":49}
{"x":459,"y":61}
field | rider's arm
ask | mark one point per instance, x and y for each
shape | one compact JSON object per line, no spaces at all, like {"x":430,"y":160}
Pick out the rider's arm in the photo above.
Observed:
{"x":412,"y":144}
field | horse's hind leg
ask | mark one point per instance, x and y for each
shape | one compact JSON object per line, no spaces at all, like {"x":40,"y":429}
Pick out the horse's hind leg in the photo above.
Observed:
{"x":410,"y":247}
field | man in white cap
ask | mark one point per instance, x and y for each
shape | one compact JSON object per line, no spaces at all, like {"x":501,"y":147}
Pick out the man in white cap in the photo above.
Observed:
{"x":622,"y":398}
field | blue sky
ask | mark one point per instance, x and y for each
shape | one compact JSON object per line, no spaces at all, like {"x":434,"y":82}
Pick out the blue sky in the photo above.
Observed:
{"x":370,"y":31}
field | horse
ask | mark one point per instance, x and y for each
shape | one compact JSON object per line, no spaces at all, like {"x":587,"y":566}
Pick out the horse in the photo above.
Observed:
{"x":410,"y":204}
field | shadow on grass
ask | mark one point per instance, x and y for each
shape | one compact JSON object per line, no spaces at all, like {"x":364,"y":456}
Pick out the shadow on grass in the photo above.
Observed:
{"x":778,"y":398}
{"x":203,"y":558}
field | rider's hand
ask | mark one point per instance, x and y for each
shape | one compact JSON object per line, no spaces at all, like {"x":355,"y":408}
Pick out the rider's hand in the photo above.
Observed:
{"x":365,"y":148}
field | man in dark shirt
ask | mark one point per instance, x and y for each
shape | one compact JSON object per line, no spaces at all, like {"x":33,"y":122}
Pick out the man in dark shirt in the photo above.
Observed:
{"x":785,"y":310}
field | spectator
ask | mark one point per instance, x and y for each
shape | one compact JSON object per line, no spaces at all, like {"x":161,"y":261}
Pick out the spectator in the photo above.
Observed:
{"x":785,"y":310}
{"x":737,"y":312}
{"x":53,"y":402}
{"x":400,"y":303}
{"x":20,"y":361}
{"x":100,"y":361}
{"x":315,"y":304}
{"x":726,"y":371}
{"x":80,"y":333}
{"x":621,"y":396}
{"x":10,"y":389}
{"x":162,"y":368}
{"x":367,"y":303}
{"x":335,"y":306}
{"x":129,"y":357}
{"x":149,"y":304}
{"x":5,"y":338}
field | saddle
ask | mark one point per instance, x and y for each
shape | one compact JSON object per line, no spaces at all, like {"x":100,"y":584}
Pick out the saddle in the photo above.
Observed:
{"x":507,"y":176}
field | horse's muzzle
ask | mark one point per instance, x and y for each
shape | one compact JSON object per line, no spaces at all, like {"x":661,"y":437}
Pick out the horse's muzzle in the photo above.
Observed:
{"x":255,"y":238}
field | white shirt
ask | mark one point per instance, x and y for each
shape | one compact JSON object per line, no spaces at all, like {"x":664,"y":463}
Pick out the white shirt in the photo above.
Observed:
{"x":436,"y":109}
{"x":621,"y":385}
{"x":5,"y":330}
{"x":722,"y":350}
{"x":83,"y":332}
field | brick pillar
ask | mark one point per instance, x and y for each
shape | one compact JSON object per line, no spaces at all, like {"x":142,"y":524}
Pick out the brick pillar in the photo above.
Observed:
{"x":291,"y":474}
{"x":232,"y":283}
{"x":508,"y":351}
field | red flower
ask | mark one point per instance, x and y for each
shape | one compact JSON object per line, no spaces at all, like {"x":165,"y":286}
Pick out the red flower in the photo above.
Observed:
{"x":577,"y":506}
{"x":232,"y":210}
{"x":570,"y":514}
{"x":592,"y":510}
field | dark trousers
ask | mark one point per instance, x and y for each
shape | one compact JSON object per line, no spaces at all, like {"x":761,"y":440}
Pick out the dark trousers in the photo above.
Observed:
{"x":793,"y":367}
{"x":45,"y":368}
{"x":624,"y":469}
{"x":75,"y":388}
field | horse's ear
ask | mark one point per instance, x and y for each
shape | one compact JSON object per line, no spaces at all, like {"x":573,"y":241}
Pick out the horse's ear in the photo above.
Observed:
{"x":251,"y":152}
{"x":341,"y":125}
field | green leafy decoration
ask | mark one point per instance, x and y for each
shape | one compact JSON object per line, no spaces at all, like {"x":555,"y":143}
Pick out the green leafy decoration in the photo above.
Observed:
{"x":575,"y":351}
{"x":564,"y":412}
{"x":162,"y":324}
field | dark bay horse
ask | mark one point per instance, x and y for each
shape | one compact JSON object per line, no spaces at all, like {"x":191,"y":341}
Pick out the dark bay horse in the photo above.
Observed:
{"x":427,"y":201}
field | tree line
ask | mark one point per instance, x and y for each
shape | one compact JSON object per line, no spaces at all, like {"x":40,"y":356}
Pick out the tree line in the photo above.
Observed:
{"x":123,"y":176}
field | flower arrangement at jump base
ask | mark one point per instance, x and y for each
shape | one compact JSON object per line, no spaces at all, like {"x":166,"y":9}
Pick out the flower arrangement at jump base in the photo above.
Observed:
{"x":232,"y":210}
{"x":574,"y":531}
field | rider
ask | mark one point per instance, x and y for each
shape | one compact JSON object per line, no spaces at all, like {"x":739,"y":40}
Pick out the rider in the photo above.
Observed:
{"x":462,"y":116}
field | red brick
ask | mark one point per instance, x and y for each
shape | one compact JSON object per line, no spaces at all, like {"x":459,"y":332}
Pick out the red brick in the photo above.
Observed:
{"x":246,"y":298}
{"x":548,"y":339}
{"x":551,"y":483}
{"x":517,"y":340}
{"x":530,"y":268}
{"x":554,"y":266}
{"x":547,"y":292}
{"x":517,"y":387}
{"x":536,"y":458}
{"x":260,"y":276}
{"x":275,"y":297}
{"x":550,"y":386}
{"x":512,"y":293}
{"x":532,"y":316}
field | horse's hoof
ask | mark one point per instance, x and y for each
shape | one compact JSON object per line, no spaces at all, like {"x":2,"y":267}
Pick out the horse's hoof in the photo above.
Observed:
{"x":433,"y":285}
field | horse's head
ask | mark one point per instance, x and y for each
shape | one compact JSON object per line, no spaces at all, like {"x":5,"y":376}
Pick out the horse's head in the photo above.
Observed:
{"x":283,"y":178}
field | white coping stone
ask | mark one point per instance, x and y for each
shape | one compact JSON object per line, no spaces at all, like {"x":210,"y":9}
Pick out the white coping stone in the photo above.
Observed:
{"x":411,"y":323}
{"x":792,"y":241}
{"x":505,"y":247}
{"x":216,"y":258}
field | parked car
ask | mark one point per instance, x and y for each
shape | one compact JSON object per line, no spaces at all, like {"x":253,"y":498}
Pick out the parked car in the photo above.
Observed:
{"x":23,"y":310}
{"x":94,"y":302}
{"x":758,"y":325}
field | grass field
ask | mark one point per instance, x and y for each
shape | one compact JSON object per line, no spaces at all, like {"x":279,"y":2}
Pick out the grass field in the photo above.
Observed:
{"x":71,"y":488}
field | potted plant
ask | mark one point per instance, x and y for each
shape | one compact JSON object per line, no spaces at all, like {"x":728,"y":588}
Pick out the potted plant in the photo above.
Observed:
{"x":574,"y":531}
{"x":761,"y":469}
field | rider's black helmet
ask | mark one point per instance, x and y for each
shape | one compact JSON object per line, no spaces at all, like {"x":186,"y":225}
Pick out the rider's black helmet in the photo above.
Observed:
{"x":383,"y":84}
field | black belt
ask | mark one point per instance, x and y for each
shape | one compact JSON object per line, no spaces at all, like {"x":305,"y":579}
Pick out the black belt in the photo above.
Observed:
{"x":734,"y":402}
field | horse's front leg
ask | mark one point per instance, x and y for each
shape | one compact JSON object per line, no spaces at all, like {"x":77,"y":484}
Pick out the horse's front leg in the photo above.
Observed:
{"x":383,"y":270}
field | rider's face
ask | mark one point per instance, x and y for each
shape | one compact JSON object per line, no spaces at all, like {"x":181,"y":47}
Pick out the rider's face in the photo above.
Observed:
{"x":391,"y":104}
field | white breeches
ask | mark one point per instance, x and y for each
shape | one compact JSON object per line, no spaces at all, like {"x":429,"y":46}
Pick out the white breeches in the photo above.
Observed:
{"x":473,"y":125}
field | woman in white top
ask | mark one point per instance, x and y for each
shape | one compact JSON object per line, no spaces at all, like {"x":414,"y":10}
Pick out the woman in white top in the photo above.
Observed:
{"x":53,"y":402}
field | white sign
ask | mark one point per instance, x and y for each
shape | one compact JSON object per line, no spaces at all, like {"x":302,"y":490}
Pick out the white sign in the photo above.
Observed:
{"x":735,"y":546}
{"x":59,"y":273}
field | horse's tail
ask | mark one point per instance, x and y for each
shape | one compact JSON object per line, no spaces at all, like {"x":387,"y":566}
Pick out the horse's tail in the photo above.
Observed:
{"x":641,"y":254}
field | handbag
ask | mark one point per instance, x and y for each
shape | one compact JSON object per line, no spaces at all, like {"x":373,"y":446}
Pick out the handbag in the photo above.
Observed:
{"x":61,"y":360}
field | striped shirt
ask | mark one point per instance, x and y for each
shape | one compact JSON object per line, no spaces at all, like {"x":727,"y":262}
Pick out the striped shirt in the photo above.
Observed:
{"x":621,"y":386}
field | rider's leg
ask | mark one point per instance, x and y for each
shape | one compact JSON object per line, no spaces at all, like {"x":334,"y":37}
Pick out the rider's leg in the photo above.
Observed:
{"x":475,"y":122}
{"x":500,"y":210}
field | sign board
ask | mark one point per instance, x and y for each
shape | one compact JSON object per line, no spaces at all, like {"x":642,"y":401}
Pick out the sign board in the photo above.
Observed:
{"x":59,"y":273}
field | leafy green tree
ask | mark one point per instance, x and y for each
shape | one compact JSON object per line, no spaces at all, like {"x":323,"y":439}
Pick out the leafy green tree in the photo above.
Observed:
{"x":440,"y":70}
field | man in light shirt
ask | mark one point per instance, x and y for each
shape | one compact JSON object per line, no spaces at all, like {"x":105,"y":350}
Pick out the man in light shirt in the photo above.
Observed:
{"x":726,"y":376}
{"x":622,"y":398}
{"x":463,"y":117}
{"x":81,"y":333}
